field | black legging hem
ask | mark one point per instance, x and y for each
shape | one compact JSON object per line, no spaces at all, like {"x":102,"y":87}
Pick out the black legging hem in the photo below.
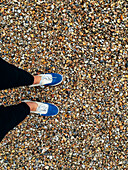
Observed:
{"x":11,"y":116}
{"x":12,"y":76}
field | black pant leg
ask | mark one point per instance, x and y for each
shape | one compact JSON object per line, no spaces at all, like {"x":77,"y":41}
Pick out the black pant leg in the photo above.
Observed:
{"x":11,"y":116}
{"x":11,"y":76}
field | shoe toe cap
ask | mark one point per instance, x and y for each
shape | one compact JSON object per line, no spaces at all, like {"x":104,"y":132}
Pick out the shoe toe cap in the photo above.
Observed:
{"x":57,"y":78}
{"x":52,"y":110}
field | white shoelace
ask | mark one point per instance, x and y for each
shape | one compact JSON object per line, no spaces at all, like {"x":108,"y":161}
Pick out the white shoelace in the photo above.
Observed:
{"x":43,"y":108}
{"x":46,"y":78}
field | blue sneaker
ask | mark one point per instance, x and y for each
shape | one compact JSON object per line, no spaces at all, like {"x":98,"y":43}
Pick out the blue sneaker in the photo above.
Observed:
{"x":44,"y":109}
{"x":49,"y":79}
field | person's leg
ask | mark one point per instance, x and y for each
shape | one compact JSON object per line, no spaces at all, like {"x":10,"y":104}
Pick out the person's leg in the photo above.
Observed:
{"x":11,"y":76}
{"x":11,"y":116}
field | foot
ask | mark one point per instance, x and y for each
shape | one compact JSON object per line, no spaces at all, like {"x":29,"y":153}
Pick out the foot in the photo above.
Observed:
{"x":43,"y":109}
{"x":49,"y":79}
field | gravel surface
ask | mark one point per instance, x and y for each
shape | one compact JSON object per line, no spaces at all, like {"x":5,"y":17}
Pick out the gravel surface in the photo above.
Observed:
{"x":86,"y":42}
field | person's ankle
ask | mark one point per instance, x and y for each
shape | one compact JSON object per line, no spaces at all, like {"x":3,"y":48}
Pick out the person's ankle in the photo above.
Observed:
{"x":37,"y":79}
{"x":32,"y":105}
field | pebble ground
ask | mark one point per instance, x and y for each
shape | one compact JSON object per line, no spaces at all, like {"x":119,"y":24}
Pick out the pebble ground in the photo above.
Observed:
{"x":86,"y":42}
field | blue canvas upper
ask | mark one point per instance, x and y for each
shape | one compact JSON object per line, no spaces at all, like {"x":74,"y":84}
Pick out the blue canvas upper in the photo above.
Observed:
{"x":52,"y":110}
